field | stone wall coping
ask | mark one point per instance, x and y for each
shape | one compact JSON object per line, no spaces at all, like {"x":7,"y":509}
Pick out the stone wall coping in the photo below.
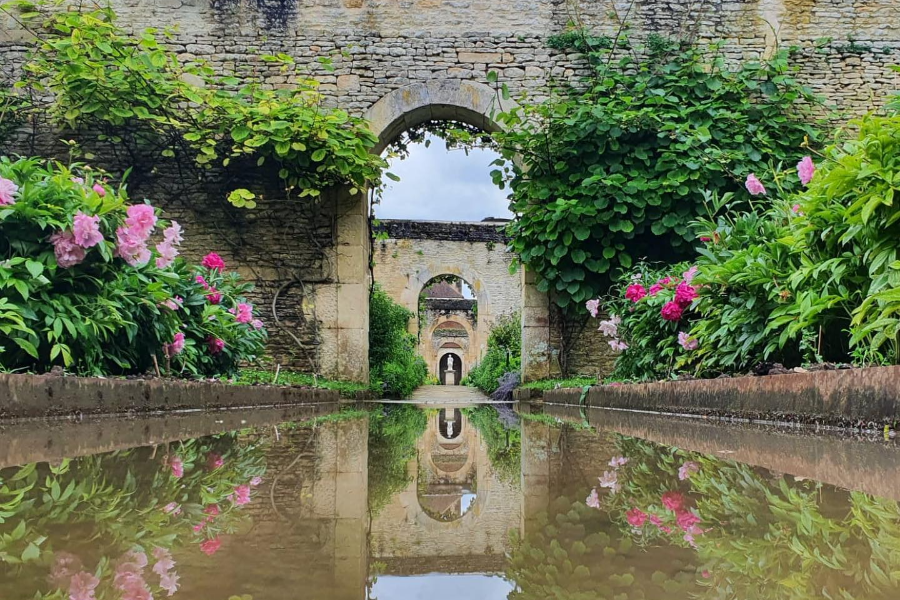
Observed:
{"x":847,"y":397}
{"x":454,"y":231}
{"x":38,"y":396}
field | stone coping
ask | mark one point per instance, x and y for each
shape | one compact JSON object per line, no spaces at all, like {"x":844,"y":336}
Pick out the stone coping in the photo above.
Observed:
{"x":849,"y":397}
{"x":38,"y":396}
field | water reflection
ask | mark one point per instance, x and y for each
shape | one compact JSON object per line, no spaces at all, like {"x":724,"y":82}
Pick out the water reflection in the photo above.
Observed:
{"x":398,"y":501}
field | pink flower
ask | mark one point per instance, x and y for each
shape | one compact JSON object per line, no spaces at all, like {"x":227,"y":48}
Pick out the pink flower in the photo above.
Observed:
{"x":610,"y":328}
{"x":687,"y":520}
{"x":216,"y":345}
{"x":688,"y":469}
{"x":177,"y":466}
{"x":176,"y":347}
{"x":65,"y":566}
{"x":655,"y":289}
{"x":593,"y":500}
{"x":169,"y":582}
{"x":132,"y":248}
{"x":618,"y":461}
{"x":806,"y":169}
{"x":636,"y":517}
{"x":635,"y":292}
{"x":655,"y":520}
{"x":8,"y":189}
{"x":82,"y":586}
{"x":242,"y":494}
{"x":592,"y":306}
{"x":164,"y":561}
{"x":201,"y":281}
{"x":664,"y":281}
{"x":244,"y":313}
{"x":78,"y":180}
{"x":671,"y":311}
{"x":87,"y":230}
{"x":99,"y":190}
{"x":256,"y":324}
{"x":68,"y":252}
{"x":610,"y":480}
{"x":199,"y":526}
{"x":256,"y":481}
{"x":213,"y":296}
{"x":172,"y":234}
{"x":172,"y":508}
{"x":133,"y":557}
{"x":687,"y":342}
{"x":705,"y":239}
{"x":685,"y":293}
{"x":214,"y":461}
{"x":210,"y":547}
{"x":141,"y":220}
{"x":212,"y":510}
{"x":167,"y":254}
{"x":618,"y":345}
{"x":673,"y":500}
{"x":690,"y":274}
{"x":705,"y":574}
{"x":754,"y":185}
{"x":213,"y":261}
{"x":796,"y":210}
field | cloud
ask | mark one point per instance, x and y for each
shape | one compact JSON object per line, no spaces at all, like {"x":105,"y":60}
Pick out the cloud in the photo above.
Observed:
{"x":440,"y":185}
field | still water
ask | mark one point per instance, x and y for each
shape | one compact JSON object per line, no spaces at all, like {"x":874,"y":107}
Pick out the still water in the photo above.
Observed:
{"x":396,"y":502}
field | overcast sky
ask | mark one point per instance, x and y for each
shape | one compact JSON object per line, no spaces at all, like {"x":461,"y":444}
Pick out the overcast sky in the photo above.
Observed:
{"x":442,"y":587}
{"x":437,"y":184}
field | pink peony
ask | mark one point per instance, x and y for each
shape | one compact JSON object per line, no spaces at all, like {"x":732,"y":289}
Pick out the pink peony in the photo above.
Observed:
{"x":689,"y":275}
{"x":82,"y":586}
{"x":671,"y":311}
{"x":610,"y":328}
{"x":242,"y":494}
{"x":635,"y":292}
{"x":201,"y":281}
{"x":216,"y":345}
{"x":705,"y":239}
{"x":618,"y":345}
{"x":210,"y":547}
{"x":64,"y":567}
{"x":199,"y":526}
{"x":68,"y":252}
{"x":806,"y":169}
{"x":655,"y":520}
{"x":213,"y":261}
{"x":141,"y":220}
{"x":172,"y":234}
{"x":87,"y":230}
{"x":78,"y":180}
{"x":256,"y":324}
{"x":244,"y":313}
{"x":177,"y":467}
{"x":665,"y":281}
{"x":655,"y":289}
{"x":167,"y":254}
{"x":754,"y":185}
{"x":796,"y":209}
{"x":685,"y":293}
{"x":214,"y":461}
{"x":172,"y":508}
{"x":176,"y":347}
{"x":705,"y":574}
{"x":8,"y":190}
{"x":131,"y":247}
{"x":687,"y":342}
{"x":169,"y":582}
{"x":256,"y":481}
{"x":673,"y":500}
{"x":99,"y":189}
{"x":213,"y":296}
{"x":687,"y":469}
{"x":593,"y":306}
{"x":636,"y":517}
{"x":593,"y":500}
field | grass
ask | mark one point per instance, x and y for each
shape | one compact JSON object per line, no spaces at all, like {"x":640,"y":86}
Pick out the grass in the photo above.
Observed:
{"x":552,"y":384}
{"x":346,"y":389}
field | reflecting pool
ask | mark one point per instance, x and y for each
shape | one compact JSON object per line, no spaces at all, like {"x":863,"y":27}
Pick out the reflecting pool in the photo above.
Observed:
{"x":396,"y":501}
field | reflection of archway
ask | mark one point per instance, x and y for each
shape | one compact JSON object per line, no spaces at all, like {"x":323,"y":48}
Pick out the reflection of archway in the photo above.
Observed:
{"x":450,"y":368}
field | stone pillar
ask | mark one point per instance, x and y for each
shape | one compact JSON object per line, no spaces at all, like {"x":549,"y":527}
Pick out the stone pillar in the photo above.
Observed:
{"x":343,"y":307}
{"x":536,"y":348}
{"x":536,"y":450}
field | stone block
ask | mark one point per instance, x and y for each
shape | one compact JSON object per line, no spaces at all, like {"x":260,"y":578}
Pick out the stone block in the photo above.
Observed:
{"x":349,"y":83}
{"x":479,"y":57}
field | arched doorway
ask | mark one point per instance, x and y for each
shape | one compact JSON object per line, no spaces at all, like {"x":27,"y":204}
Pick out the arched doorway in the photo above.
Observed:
{"x":450,"y":369}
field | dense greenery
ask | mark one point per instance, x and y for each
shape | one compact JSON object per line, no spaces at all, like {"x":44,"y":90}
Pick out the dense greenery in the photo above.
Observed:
{"x":81,"y":288}
{"x":393,"y":433}
{"x":617,"y":171}
{"x":503,"y":355}
{"x":394,"y":367}
{"x":552,"y":384}
{"x":504,"y":443}
{"x":135,"y":98}
{"x":347,"y":389}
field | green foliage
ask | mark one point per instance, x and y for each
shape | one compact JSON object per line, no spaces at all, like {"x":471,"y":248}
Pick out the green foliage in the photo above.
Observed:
{"x":503,"y":354}
{"x":100,"y":315}
{"x":552,"y":384}
{"x":148,"y":106}
{"x":393,"y":433}
{"x":347,"y":389}
{"x":617,"y":172}
{"x":504,"y":444}
{"x":394,"y":366}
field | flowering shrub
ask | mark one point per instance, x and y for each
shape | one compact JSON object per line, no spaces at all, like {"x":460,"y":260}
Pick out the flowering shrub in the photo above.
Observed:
{"x":95,"y":284}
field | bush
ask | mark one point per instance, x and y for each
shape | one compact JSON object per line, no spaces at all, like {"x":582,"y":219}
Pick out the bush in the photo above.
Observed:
{"x":503,"y":355}
{"x":394,"y":366}
{"x":81,"y":287}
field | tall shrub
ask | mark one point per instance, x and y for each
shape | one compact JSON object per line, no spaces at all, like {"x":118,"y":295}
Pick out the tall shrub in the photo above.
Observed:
{"x":394,"y":366}
{"x":503,"y":355}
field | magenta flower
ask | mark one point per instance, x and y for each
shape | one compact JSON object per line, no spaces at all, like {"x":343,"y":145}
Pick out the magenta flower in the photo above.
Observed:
{"x":655,"y":520}
{"x":213,"y":296}
{"x":244,"y":313}
{"x":655,"y":289}
{"x":82,"y":586}
{"x":673,"y":500}
{"x":806,"y":169}
{"x":664,"y":281}
{"x":214,"y":461}
{"x":685,"y":293}
{"x":754,"y":185}
{"x":8,"y":190}
{"x":68,"y":252}
{"x":213,"y":261}
{"x":216,"y":345}
{"x":87,"y":230}
{"x":242,"y":494}
{"x":687,"y":469}
{"x":635,"y":292}
{"x":593,"y":500}
{"x":199,"y":526}
{"x":256,"y":324}
{"x":705,"y":238}
{"x":167,"y":254}
{"x":687,"y":520}
{"x":210,"y":547}
{"x":177,"y":466}
{"x":671,"y":311}
{"x":593,"y":306}
{"x":176,"y":347}
{"x":636,"y":517}
{"x":100,"y":191}
{"x":687,"y":342}
{"x":201,"y":281}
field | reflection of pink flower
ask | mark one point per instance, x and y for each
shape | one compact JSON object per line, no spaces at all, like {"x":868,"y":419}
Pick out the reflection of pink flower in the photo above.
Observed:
{"x":618,"y":461}
{"x":687,"y":520}
{"x":214,"y":461}
{"x":82,"y":586}
{"x":688,"y":469}
{"x":65,"y":566}
{"x":655,"y":520}
{"x":673,"y":500}
{"x":705,"y":574}
{"x":242,"y":494}
{"x":593,"y":306}
{"x":213,"y":261}
{"x":199,"y":526}
{"x":164,"y":561}
{"x":210,"y":547}
{"x":636,"y":517}
{"x":593,"y":500}
{"x":754,"y":185}
{"x":671,"y":311}
{"x":635,"y":292}
{"x":256,"y":481}
{"x":212,"y":510}
{"x":177,"y":466}
{"x":169,"y":582}
{"x":86,"y":230}
{"x":172,"y":508}
{"x":610,"y":479}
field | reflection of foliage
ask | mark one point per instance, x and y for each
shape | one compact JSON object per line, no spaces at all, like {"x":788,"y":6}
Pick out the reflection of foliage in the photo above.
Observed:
{"x":393,"y":433}
{"x":575,"y":553}
{"x":768,"y":537}
{"x":98,"y":508}
{"x":504,"y":444}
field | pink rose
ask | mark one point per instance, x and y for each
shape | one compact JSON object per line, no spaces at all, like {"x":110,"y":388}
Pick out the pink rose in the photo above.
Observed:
{"x":671,"y":311}
{"x":635,"y":292}
{"x":213,"y":261}
{"x":8,"y":190}
{"x":754,"y":185}
{"x":87,"y":230}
